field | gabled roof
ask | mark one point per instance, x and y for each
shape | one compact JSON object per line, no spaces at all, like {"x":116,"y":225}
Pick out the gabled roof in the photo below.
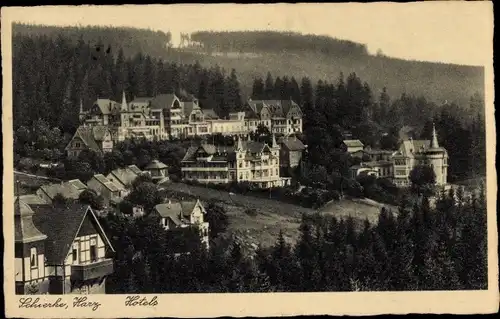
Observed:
{"x":66,"y":189}
{"x":106,"y":105}
{"x":91,"y":136}
{"x":134,"y":169}
{"x":78,"y":184}
{"x":61,"y":224}
{"x":189,"y":107}
{"x":163,"y":101}
{"x":353,"y":143}
{"x":225,"y":153}
{"x":174,"y":210}
{"x":124,"y":175}
{"x":99,"y":132}
{"x":293,"y":144}
{"x":170,"y":210}
{"x":277,"y":108}
{"x":410,"y":147}
{"x":155,"y":164}
{"x":106,"y":182}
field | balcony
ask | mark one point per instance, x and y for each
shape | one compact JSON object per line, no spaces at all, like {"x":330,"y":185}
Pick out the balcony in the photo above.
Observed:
{"x":93,"y":270}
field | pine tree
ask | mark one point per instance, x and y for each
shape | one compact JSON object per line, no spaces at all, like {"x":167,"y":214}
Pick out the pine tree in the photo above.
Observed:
{"x":258,"y":89}
{"x":269,"y":87}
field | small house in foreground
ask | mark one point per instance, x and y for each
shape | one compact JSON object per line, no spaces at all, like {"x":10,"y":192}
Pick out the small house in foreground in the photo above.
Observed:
{"x":183,"y":214}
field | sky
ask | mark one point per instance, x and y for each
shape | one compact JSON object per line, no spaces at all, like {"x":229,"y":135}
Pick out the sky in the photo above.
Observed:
{"x":450,"y":32}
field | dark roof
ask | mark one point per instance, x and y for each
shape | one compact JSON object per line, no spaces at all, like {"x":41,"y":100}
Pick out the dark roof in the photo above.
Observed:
{"x":225,"y":153}
{"x":277,"y":108}
{"x":163,"y":101}
{"x":61,"y":225}
{"x":293,"y":144}
{"x":91,"y":135}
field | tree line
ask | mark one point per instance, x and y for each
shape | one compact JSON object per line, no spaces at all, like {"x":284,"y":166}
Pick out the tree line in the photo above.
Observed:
{"x":419,"y":247}
{"x":348,"y":105}
{"x":52,"y":76}
{"x":66,"y":71}
{"x":275,"y":42}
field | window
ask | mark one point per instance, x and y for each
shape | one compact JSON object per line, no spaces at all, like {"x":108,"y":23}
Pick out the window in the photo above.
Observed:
{"x":33,"y":258}
{"x":75,"y":253}
{"x":93,"y":250}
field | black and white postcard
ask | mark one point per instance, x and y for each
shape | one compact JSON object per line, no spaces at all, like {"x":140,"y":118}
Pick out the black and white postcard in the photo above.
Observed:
{"x":238,"y":160}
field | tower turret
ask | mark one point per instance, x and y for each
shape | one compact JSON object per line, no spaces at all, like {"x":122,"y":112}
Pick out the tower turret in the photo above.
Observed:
{"x":434,"y":141}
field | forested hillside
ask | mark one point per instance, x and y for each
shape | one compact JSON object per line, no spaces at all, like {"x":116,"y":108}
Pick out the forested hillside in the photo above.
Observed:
{"x":270,"y":41}
{"x":52,"y":76}
{"x":316,"y":57}
{"x":131,"y":40}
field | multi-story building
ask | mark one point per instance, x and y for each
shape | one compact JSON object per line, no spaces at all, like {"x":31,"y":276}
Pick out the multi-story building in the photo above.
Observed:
{"x":246,"y":161}
{"x":183,"y":214}
{"x":168,"y":116}
{"x":60,"y":250}
{"x":279,"y":116}
{"x":399,"y":164}
{"x":97,"y":138}
{"x":412,"y":153}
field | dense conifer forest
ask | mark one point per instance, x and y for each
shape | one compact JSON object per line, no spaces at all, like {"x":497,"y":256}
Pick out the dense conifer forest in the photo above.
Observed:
{"x":415,"y":248}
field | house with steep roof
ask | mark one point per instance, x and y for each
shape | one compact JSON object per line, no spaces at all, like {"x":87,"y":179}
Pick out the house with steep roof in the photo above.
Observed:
{"x":184,"y":214}
{"x":109,"y":191}
{"x":279,"y":116}
{"x":101,"y":113}
{"x":400,"y":163}
{"x":158,"y":171}
{"x":95,"y":138}
{"x":123,"y":178}
{"x":412,"y":153}
{"x":70,"y":189}
{"x":247,"y":161}
{"x":291,"y":151}
{"x":60,"y":250}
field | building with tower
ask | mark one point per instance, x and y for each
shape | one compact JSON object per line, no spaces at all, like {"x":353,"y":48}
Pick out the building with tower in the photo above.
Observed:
{"x":168,"y":116}
{"x":247,"y":161}
{"x":412,"y":153}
